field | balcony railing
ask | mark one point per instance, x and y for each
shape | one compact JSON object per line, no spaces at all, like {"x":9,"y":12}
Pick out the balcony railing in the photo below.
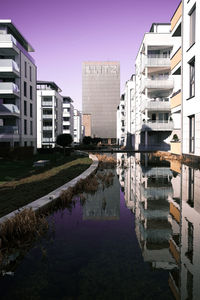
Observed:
{"x":9,"y":130}
{"x":9,"y":109}
{"x":158,"y":83}
{"x":156,"y":61}
{"x":47,"y":127}
{"x":50,"y":116}
{"x":158,"y":104}
{"x":8,"y":66}
{"x":47,"y":103}
{"x":159,"y":125}
{"x":8,"y":88}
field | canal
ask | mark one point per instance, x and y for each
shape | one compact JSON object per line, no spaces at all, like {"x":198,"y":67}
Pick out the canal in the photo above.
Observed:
{"x":137,"y":238}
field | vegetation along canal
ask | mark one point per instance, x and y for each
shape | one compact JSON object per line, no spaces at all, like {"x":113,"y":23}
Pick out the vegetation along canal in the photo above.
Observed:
{"x":136,"y":237}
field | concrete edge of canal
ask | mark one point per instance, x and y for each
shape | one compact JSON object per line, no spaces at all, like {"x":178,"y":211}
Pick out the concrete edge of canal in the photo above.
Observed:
{"x":47,"y":199}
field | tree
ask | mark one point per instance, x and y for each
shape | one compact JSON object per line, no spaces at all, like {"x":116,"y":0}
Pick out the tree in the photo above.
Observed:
{"x":87,"y":140}
{"x":64,"y":140}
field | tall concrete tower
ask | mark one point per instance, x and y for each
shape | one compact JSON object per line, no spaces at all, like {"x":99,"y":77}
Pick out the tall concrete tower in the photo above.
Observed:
{"x":100,"y":96}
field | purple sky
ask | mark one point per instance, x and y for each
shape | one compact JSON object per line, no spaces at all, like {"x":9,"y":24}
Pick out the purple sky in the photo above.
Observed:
{"x":65,"y":33}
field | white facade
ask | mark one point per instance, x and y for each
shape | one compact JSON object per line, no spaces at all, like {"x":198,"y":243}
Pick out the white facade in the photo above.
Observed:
{"x":68,"y":116}
{"x":121,"y":119}
{"x":77,"y":126}
{"x":191,"y":78}
{"x":49,"y":113}
{"x":129,"y":97}
{"x":154,"y":85}
{"x":176,"y":61}
{"x":17,"y":89}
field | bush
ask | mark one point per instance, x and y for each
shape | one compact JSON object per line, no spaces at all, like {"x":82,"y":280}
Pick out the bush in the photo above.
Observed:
{"x":18,"y":153}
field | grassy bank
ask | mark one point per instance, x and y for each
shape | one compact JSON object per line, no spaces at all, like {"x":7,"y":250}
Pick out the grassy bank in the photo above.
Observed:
{"x":22,"y":184}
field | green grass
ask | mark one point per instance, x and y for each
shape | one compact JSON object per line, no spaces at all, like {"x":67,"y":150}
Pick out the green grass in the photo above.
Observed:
{"x":28,"y":183}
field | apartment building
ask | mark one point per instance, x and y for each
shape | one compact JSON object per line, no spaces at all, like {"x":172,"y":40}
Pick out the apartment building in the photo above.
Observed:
{"x":68,"y":116}
{"x":121,"y":119}
{"x":129,"y":97}
{"x":190,"y":78}
{"x":49,"y":113}
{"x":154,"y":85}
{"x":17,"y":88}
{"x":176,"y":62}
{"x":77,"y":126}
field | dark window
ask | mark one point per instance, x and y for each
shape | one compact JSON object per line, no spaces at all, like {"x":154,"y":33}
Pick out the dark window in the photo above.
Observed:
{"x":192,"y":78}
{"x":25,"y":144}
{"x":31,"y":128}
{"x":31,"y":92}
{"x":192,"y":26}
{"x":25,"y":126}
{"x":31,"y":110}
{"x":25,"y":69}
{"x":191,"y":187}
{"x":25,"y":108}
{"x":30,"y":72}
{"x":25,"y":88}
{"x":191,"y":133}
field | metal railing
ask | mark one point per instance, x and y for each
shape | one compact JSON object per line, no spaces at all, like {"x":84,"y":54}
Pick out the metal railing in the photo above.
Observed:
{"x":9,"y":130}
{"x":8,"y":87}
{"x":9,"y":108}
{"x":8,"y":63}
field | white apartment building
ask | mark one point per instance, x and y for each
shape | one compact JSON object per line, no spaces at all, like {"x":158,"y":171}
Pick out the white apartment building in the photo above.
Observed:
{"x":77,"y":126}
{"x":49,"y":113}
{"x":191,"y":78}
{"x":154,"y":85}
{"x":176,"y":62}
{"x":68,"y":116}
{"x":121,"y":119}
{"x":17,"y":88}
{"x":129,"y":95}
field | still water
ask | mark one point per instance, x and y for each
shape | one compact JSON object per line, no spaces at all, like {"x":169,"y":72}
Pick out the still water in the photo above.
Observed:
{"x":136,"y":239}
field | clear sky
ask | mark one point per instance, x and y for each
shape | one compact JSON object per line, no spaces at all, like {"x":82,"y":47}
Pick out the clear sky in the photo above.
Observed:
{"x":64,"y":33}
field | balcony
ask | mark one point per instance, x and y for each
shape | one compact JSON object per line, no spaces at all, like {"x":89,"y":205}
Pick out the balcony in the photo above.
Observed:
{"x":158,"y":104}
{"x":176,"y":99}
{"x":66,"y":105}
{"x":47,"y":103}
{"x":7,"y":130}
{"x":8,"y":45}
{"x":158,"y":83}
{"x":156,"y":61}
{"x":176,"y":59}
{"x":158,"y":125}
{"x":47,"y":116}
{"x":66,"y":123}
{"x":66,"y":114}
{"x":47,"y":140}
{"x":8,"y":68}
{"x":48,"y":128}
{"x":8,"y":90}
{"x":9,"y":110}
{"x":176,"y":17}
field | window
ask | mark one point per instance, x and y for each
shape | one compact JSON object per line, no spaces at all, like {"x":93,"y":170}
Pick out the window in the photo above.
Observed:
{"x":25,"y":69}
{"x":31,"y":110}
{"x":25,"y":144}
{"x":25,"y":126}
{"x":192,"y":78}
{"x":192,"y":26}
{"x":25,"y":108}
{"x":191,"y":187}
{"x":25,"y":89}
{"x":191,"y":133}
{"x":31,"y":92}
{"x":30,"y":73}
{"x":31,"y":127}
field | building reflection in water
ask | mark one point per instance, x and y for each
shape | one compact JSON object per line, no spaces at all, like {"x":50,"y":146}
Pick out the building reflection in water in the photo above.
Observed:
{"x":106,"y":207}
{"x":165,"y":198}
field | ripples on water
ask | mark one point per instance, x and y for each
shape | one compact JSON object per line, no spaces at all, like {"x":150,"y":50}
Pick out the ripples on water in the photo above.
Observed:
{"x":136,"y":239}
